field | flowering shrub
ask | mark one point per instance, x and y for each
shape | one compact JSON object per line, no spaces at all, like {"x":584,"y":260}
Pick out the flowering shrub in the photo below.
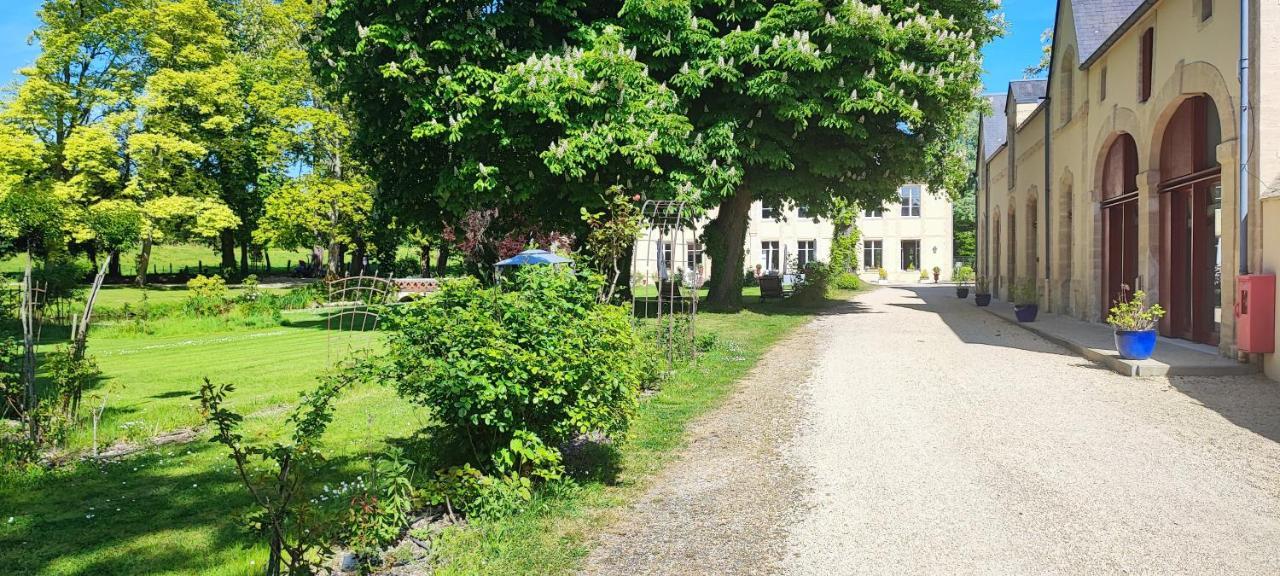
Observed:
{"x":514,"y":372}
{"x":813,"y":289}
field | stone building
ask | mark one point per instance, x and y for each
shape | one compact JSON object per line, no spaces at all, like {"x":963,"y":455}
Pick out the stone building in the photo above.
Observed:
{"x":1124,"y":166}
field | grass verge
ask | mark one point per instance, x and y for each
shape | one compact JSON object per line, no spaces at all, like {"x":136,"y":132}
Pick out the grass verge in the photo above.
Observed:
{"x":555,"y":533}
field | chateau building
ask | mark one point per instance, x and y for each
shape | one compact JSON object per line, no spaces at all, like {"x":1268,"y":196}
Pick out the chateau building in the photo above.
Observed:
{"x":904,"y":237}
{"x":1145,"y":159}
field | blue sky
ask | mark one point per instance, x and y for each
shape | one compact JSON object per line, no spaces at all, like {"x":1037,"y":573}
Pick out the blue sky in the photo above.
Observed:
{"x":1005,"y":58}
{"x":16,"y":23}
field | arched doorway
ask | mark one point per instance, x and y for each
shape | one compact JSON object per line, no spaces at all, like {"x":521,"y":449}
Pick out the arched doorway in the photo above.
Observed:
{"x":1119,"y":219}
{"x":1191,"y":223}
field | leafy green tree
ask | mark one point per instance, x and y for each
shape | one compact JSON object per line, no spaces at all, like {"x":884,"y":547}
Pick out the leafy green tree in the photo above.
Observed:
{"x":788,"y":101}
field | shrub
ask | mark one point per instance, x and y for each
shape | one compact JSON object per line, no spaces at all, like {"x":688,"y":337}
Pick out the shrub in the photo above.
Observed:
{"x":514,"y":372}
{"x":379,"y":512}
{"x":848,"y":281}
{"x":1131,"y":314}
{"x":62,"y":277}
{"x":208,"y":295}
{"x":813,"y":288}
{"x":1026,"y":293}
{"x":301,"y":296}
{"x":749,"y":278}
{"x":963,"y":275}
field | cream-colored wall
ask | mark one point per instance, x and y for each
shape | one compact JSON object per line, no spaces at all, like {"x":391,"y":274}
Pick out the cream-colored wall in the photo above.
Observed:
{"x":788,"y":233}
{"x":998,"y":191}
{"x":1191,"y":58}
{"x":933,"y":228}
{"x":1271,"y":265}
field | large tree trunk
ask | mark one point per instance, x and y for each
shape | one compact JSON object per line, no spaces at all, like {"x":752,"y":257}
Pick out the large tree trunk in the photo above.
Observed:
{"x":244,"y":257}
{"x":337,"y":255}
{"x":424,"y":259}
{"x":227,"y":240}
{"x":357,"y":258}
{"x":144,"y":261}
{"x":113,"y":268}
{"x":442,"y":260}
{"x":317,"y":258}
{"x":724,"y":240}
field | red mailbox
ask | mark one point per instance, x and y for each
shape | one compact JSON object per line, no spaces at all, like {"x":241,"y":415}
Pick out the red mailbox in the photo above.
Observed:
{"x":1256,"y":314}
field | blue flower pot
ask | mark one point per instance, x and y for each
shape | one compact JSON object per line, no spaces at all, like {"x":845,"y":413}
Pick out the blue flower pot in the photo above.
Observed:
{"x":1135,"y":344}
{"x":1026,"y":313}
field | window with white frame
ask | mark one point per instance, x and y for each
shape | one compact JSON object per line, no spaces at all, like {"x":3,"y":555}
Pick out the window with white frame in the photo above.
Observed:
{"x":768,"y":212}
{"x":806,"y":252}
{"x":770,"y":256}
{"x":804,"y":212}
{"x":693,"y":255}
{"x":666,"y":256}
{"x":910,"y":254}
{"x":873,"y":213}
{"x":872,"y":254}
{"x":909,"y":196}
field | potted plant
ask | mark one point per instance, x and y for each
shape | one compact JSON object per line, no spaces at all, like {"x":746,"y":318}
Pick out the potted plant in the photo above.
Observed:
{"x":1026,"y":301}
{"x":1135,"y":324}
{"x":937,"y":271}
{"x":982,"y":294}
{"x":884,"y":274}
{"x":962,"y":278}
{"x":924,"y":276}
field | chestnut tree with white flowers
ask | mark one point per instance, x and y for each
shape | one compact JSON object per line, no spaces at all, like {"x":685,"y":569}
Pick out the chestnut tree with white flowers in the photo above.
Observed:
{"x":535,"y":107}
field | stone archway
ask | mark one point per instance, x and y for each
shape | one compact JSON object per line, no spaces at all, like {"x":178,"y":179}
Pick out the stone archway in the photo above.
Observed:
{"x":993,"y":261}
{"x":1121,"y":123}
{"x":1011,"y":276}
{"x":1119,"y":215}
{"x":1191,"y":222}
{"x":1031,"y":238}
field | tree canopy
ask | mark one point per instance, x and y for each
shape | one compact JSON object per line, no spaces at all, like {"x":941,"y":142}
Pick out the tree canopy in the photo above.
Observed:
{"x":536,"y":107}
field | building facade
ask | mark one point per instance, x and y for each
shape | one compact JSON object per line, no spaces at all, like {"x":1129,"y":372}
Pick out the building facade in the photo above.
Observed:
{"x":1124,"y":167}
{"x":905,"y":237}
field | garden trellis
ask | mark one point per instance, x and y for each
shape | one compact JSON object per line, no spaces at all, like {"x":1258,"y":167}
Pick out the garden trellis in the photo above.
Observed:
{"x":355,"y":305}
{"x":666,"y":273}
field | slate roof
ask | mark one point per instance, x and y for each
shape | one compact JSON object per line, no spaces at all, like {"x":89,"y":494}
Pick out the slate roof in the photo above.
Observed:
{"x":994,"y":127}
{"x":1028,"y":91}
{"x":1099,"y":21}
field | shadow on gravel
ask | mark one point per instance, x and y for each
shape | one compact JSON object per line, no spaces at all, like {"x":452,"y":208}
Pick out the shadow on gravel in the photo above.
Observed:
{"x":973,"y":325}
{"x":1250,"y":402}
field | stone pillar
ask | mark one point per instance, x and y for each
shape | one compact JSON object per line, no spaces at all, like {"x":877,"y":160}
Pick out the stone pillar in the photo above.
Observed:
{"x":1228,"y":158}
{"x":1149,"y":234}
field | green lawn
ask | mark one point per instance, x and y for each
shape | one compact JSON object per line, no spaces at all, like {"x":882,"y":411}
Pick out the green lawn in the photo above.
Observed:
{"x":172,"y":509}
{"x":174,"y":257}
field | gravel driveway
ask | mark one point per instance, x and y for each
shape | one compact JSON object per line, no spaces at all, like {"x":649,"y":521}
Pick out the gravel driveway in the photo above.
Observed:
{"x":926,"y":436}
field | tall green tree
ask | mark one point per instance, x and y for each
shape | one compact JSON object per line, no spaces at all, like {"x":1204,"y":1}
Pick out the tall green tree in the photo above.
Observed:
{"x":71,"y":101}
{"x":788,"y":101}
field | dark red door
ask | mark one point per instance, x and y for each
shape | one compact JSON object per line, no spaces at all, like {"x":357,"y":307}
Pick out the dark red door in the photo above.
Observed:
{"x":1191,"y":230}
{"x":1120,"y":249}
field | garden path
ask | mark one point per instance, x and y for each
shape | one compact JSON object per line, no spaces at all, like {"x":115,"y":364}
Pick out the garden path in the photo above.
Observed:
{"x":912,"y":433}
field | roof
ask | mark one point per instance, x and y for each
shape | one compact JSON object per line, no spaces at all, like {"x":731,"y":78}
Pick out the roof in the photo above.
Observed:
{"x":994,"y":127}
{"x":1100,"y":22}
{"x":1028,"y":91}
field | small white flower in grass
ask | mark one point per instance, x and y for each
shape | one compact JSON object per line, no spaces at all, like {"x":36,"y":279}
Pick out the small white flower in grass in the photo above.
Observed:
{"x":11,"y":519}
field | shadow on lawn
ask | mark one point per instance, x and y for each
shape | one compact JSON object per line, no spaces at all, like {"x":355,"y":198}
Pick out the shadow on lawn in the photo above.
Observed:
{"x":178,"y":510}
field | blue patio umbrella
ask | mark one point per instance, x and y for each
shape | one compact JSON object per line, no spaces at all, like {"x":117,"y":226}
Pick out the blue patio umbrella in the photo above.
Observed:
{"x":533,"y":257}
